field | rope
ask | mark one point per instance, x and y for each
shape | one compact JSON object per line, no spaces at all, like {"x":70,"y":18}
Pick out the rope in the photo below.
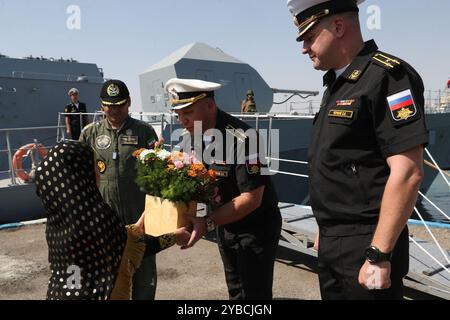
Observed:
{"x":293,"y":95}
{"x":432,"y":236}
{"x":428,"y":163}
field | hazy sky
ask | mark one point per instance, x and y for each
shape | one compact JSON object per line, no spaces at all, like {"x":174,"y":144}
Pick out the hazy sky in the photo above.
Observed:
{"x":126,"y":37}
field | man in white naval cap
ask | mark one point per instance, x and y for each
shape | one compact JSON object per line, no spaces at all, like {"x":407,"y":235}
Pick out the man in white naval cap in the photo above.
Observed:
{"x":245,"y":209}
{"x":366,"y":153}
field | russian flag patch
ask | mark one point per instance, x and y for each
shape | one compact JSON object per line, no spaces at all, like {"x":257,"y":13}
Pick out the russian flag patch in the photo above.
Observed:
{"x":402,"y":106}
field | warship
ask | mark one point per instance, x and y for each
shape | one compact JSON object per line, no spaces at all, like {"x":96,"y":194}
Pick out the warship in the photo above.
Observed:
{"x":33,"y":92}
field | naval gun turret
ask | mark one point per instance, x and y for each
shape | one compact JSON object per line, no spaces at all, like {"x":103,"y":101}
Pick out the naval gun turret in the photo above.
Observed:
{"x":200,"y":61}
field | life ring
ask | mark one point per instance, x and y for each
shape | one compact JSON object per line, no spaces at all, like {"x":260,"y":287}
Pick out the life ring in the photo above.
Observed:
{"x":20,"y":154}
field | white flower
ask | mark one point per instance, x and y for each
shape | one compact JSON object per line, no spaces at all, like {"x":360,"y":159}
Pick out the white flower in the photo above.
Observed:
{"x":143,"y":154}
{"x":163,"y":154}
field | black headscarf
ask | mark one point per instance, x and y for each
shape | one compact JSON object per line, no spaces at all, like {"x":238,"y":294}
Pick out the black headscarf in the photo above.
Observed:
{"x":85,"y":237}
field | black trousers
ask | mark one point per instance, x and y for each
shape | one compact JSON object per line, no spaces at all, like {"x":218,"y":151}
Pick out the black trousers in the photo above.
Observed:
{"x":76,"y":132}
{"x":340,"y":260}
{"x":145,"y":279}
{"x":248,"y":258}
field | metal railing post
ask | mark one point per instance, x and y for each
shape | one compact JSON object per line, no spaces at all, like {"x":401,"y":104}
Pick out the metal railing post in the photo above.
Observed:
{"x":57,"y":129}
{"x":10,"y":163}
{"x":257,"y":123}
{"x":81,"y":122}
{"x":269,"y":144}
{"x":171,"y":130}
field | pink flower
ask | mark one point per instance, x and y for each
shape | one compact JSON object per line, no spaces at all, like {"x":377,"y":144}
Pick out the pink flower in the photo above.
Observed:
{"x":186,"y":158}
{"x":179,"y":164}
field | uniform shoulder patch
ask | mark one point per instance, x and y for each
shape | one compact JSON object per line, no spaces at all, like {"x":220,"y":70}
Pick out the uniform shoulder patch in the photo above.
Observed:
{"x":386,"y":61}
{"x":402,"y":106}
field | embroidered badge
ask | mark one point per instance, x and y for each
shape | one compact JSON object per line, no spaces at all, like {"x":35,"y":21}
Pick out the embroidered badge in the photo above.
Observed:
{"x":402,"y":106}
{"x":252,"y":167}
{"x":221,"y":173}
{"x":345,"y":102}
{"x":113,"y":90}
{"x":129,"y":140}
{"x":347,"y":114}
{"x":103,"y":142}
{"x":101,"y":166}
{"x":355,"y":75}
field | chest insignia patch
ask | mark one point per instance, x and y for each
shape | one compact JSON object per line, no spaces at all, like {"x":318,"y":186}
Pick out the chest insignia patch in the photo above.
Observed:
{"x":103,"y":142}
{"x":355,"y":75}
{"x":347,"y":114}
{"x":345,"y":102}
{"x":101,"y":166}
{"x":402,"y":106}
{"x":221,"y":173}
{"x":129,"y":140}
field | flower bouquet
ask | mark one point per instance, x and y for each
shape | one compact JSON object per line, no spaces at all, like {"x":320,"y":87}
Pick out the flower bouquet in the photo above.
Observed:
{"x":174,"y":183}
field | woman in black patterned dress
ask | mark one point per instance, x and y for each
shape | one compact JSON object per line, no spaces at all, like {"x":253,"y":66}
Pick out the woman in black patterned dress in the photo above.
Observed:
{"x":91,"y":254}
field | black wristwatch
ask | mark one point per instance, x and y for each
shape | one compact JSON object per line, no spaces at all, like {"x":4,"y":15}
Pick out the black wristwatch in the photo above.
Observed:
{"x":374,"y":255}
{"x":210,"y":225}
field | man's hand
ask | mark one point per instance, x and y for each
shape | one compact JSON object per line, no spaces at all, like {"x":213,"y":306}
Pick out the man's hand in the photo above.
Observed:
{"x":316,"y":243}
{"x":183,"y":236}
{"x":68,"y":132}
{"x":160,"y":142}
{"x":140,"y":224}
{"x":198,"y":232}
{"x":375,"y":276}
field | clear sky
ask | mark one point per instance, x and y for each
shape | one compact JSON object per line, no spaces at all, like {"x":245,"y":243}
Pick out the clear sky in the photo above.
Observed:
{"x":126,"y":37}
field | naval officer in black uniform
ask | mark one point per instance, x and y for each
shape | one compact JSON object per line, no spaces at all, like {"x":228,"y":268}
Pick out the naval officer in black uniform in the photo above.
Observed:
{"x":245,"y":210}
{"x":75,"y":123}
{"x":366,"y":153}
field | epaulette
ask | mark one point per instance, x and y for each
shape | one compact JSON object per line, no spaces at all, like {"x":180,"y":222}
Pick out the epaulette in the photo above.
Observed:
{"x":89,"y":126}
{"x":385,"y":61}
{"x":238,"y":133}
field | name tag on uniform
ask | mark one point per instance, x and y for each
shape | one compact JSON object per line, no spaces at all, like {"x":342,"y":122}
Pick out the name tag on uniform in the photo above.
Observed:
{"x":221,"y":169}
{"x":346,"y":114}
{"x":129,"y":140}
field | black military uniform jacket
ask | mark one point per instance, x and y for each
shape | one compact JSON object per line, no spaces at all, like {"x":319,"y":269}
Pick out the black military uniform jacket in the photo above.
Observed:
{"x":239,"y":171}
{"x":75,"y":119}
{"x":374,"y":110}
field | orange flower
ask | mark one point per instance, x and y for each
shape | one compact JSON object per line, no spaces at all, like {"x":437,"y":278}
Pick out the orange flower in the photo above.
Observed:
{"x":212,"y":174}
{"x":137,"y":153}
{"x":197,"y":169}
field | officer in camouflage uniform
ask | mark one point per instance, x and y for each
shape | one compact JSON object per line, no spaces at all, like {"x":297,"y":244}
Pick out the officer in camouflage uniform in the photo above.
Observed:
{"x":248,"y":105}
{"x":115,"y":139}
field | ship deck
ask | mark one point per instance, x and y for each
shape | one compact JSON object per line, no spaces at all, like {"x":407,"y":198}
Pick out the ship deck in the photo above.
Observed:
{"x":23,"y":256}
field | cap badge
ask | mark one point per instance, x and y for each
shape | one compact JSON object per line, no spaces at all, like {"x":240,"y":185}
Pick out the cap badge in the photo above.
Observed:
{"x":113,"y":90}
{"x":174,"y":95}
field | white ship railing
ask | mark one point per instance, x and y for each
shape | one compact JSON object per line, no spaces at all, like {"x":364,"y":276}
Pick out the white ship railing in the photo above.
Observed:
{"x":168,"y":119}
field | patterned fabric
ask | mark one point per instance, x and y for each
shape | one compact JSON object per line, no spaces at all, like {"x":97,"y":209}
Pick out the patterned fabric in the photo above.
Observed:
{"x":85,"y":237}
